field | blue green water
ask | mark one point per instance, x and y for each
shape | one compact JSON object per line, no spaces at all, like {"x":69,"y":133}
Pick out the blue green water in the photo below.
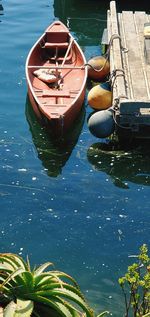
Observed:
{"x":76,"y":204}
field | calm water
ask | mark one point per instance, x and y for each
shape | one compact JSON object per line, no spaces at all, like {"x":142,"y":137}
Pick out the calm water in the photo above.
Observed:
{"x":79,"y":204}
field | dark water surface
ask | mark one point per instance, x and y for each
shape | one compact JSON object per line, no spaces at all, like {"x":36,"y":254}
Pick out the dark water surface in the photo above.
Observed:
{"x":79,"y":204}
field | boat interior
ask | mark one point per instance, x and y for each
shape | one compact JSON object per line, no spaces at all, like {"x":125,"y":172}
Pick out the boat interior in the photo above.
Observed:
{"x":58,"y":44}
{"x":54,"y":64}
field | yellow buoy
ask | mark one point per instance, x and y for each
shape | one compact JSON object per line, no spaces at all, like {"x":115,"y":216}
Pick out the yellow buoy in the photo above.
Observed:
{"x":98,"y":68}
{"x":99,"y":97}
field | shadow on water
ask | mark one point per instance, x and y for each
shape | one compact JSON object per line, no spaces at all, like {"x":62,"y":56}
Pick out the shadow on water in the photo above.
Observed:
{"x":1,"y":10}
{"x":129,"y":5}
{"x":53,"y":152}
{"x":86,"y":19}
{"x":124,"y":164}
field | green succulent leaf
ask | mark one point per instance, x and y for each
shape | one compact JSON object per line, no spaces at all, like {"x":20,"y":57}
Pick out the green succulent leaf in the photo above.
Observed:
{"x":28,"y":264}
{"x":28,"y":280}
{"x":54,"y":303}
{"x":103,"y":314}
{"x":73,"y":309}
{"x":65,"y":276}
{"x":12,"y":261}
{"x":11,"y":276}
{"x":18,"y":261}
{"x":6,"y":264}
{"x":43,"y":279}
{"x":67,"y":294}
{"x":64,"y":309}
{"x":42,"y":268}
{"x":50,"y":287}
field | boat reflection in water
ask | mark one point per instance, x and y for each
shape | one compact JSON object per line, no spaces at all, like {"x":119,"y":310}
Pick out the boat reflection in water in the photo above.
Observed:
{"x":123,"y":165}
{"x":1,"y":10}
{"x":53,"y":152}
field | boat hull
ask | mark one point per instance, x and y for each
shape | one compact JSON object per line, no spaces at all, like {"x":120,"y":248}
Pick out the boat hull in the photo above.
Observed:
{"x":59,"y":126}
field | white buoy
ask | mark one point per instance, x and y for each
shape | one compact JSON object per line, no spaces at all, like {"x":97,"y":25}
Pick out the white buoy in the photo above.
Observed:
{"x":101,"y":124}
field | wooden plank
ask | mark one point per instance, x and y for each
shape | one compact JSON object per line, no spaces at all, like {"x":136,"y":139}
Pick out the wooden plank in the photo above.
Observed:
{"x":139,"y":88}
{"x":119,"y":88}
{"x":140,"y":19}
{"x":58,"y":67}
{"x":111,"y":59}
{"x":125,"y":59}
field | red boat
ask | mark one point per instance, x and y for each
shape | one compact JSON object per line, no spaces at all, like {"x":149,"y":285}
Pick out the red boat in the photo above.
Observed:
{"x":56,"y":77}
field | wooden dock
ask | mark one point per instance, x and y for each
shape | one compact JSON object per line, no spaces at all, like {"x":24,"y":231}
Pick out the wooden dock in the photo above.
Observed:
{"x":130,"y":71}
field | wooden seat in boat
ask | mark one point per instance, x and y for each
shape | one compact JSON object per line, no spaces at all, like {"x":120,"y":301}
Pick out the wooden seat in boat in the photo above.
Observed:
{"x":54,"y":93}
{"x":56,"y":44}
{"x":56,"y":39}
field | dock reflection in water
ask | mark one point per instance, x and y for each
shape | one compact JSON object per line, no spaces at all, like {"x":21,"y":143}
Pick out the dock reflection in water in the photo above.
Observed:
{"x":83,"y":18}
{"x":53,"y":152}
{"x":122,"y":165}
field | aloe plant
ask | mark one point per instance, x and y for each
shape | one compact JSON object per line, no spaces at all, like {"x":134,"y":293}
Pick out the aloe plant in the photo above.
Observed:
{"x":38,"y":292}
